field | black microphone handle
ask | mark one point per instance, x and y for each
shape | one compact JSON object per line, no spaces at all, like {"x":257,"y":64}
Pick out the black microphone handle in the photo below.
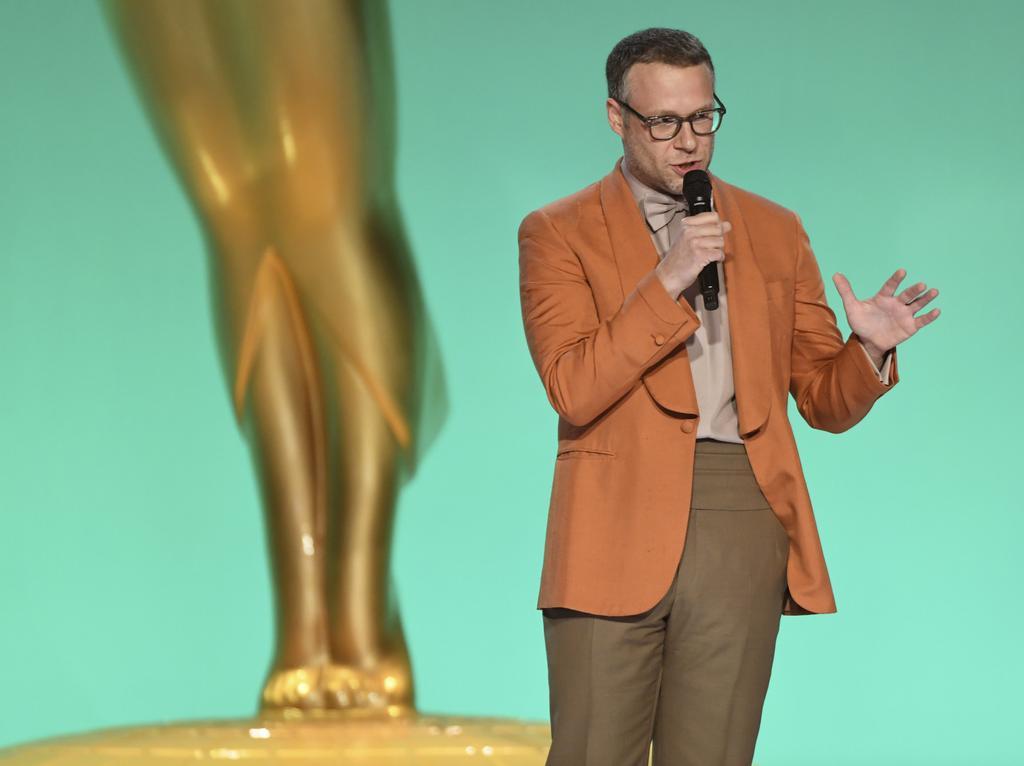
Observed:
{"x":709,"y":285}
{"x":697,"y":191}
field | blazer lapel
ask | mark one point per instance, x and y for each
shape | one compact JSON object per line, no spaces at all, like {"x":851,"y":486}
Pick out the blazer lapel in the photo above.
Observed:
{"x":748,"y":315}
{"x":670,"y":382}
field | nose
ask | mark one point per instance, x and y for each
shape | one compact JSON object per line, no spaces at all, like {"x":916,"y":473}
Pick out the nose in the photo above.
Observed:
{"x":685,"y":139}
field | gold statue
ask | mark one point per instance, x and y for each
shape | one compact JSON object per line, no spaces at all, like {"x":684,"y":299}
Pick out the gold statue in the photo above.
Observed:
{"x":278,"y":118}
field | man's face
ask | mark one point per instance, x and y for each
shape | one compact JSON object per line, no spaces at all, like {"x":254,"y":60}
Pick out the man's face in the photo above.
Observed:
{"x":660,"y":89}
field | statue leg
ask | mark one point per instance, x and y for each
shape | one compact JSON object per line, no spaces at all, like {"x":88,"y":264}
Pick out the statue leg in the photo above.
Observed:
{"x":189,"y":69}
{"x":263,"y":111}
{"x":370,"y":367}
{"x":370,"y":663}
{"x":280,"y":402}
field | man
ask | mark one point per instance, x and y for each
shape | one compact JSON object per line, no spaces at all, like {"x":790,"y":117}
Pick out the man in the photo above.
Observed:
{"x":680,"y":528}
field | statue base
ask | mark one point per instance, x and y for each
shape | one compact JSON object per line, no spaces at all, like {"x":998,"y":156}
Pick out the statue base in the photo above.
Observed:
{"x":307,"y":737}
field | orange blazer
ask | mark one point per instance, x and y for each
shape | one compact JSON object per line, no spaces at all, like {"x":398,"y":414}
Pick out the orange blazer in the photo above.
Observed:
{"x":609,"y":344}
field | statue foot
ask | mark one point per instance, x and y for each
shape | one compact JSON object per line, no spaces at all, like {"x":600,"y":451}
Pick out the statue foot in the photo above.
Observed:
{"x":385,"y":685}
{"x":296,"y":687}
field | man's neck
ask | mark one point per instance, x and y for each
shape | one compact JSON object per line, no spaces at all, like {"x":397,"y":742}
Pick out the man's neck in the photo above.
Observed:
{"x":640,"y":188}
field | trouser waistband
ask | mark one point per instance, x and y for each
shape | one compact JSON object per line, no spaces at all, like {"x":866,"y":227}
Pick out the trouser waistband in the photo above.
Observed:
{"x":723,"y":478}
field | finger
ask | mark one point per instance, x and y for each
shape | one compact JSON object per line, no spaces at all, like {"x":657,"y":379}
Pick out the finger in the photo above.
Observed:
{"x":699,"y":223}
{"x":706,"y":230}
{"x":911,"y":292}
{"x":928,"y":318}
{"x":710,"y":216}
{"x":711,"y":242}
{"x":843,"y":286}
{"x":709,"y":252}
{"x":706,"y":258}
{"x":890,"y":285}
{"x":923,"y":299}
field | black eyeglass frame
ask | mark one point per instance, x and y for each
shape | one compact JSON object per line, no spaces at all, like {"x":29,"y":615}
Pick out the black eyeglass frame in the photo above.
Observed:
{"x":647,"y":121}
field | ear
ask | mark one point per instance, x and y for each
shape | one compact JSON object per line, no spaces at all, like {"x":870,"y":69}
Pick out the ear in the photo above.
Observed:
{"x":615,"y":117}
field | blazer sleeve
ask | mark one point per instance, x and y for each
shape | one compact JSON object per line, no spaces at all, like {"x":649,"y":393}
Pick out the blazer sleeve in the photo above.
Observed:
{"x":587,"y":364}
{"x":833,"y":382}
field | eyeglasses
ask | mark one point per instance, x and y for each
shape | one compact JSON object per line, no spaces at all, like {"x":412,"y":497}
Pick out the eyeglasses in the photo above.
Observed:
{"x":664,"y":127}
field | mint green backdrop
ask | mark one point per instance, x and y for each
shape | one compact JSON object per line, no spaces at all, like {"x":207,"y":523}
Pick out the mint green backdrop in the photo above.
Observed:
{"x":133,"y":580}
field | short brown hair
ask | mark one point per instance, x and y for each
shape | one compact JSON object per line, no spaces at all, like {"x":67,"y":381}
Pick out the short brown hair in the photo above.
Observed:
{"x":654,"y":44}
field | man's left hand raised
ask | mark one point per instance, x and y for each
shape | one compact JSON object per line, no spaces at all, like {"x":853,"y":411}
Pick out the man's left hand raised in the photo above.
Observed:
{"x":885,"y":319}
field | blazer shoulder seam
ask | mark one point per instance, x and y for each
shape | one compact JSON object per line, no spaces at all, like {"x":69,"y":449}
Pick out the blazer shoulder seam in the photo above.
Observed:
{"x":563,"y":212}
{"x":764,"y":204}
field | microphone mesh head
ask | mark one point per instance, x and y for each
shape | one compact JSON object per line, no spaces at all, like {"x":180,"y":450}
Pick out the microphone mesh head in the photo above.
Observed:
{"x":697,"y":191}
{"x":696,"y":182}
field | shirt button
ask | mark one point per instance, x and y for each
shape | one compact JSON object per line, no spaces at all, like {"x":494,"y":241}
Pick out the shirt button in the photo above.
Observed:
{"x":659,"y":338}
{"x":686,"y":426}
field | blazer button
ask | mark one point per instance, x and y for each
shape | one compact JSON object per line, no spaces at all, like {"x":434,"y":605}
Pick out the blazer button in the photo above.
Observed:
{"x":686,"y":426}
{"x":659,"y":338}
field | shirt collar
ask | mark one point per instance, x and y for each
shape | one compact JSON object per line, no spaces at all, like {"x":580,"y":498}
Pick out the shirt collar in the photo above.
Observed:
{"x":641,"y":190}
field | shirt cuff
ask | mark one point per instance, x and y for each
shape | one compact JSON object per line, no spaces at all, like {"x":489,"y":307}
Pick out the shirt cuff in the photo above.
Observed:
{"x":883,"y":374}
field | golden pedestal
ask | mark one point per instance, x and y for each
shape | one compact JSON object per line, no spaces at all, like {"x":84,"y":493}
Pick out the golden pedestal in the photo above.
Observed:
{"x":320,"y":738}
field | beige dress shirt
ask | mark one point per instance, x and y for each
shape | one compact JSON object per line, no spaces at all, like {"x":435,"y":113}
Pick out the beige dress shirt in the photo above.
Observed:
{"x":709,"y":348}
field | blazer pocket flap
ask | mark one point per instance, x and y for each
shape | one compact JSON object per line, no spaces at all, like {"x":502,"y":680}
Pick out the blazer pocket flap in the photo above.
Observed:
{"x":568,"y":448}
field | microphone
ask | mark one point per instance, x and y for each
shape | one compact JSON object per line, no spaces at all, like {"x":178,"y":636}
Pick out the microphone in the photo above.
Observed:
{"x":697,"y":191}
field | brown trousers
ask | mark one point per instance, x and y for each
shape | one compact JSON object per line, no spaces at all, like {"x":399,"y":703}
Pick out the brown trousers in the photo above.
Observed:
{"x":691,"y":673}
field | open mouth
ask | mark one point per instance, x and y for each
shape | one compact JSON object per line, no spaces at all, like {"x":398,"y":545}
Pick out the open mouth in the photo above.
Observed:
{"x":686,"y":167}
